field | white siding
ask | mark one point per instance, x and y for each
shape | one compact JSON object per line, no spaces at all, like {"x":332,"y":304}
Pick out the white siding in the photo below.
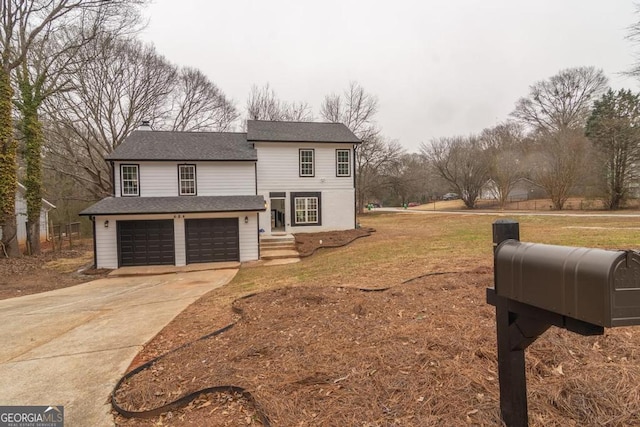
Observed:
{"x":337,"y":212}
{"x":21,"y":220}
{"x":179,"y":239}
{"x":107,"y":239}
{"x":160,"y":179}
{"x":278,"y":171}
{"x":278,"y":167}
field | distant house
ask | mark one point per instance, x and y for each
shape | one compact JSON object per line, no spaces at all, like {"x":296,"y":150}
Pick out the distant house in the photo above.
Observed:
{"x":192,"y":197}
{"x":21,"y":217}
{"x":523,"y":189}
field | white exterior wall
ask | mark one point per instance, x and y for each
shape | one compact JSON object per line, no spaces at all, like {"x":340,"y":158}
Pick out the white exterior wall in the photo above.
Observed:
{"x":107,"y":237}
{"x":278,"y":167}
{"x":21,"y":221}
{"x":278,"y":171}
{"x":160,"y":179}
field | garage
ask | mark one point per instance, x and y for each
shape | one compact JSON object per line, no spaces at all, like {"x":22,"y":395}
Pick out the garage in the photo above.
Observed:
{"x":146,"y":243}
{"x":212,"y":240}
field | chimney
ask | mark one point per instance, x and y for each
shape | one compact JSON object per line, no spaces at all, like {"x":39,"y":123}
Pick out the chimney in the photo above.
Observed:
{"x":145,"y":125}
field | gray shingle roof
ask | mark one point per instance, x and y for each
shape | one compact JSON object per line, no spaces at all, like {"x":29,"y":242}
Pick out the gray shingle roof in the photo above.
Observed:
{"x":261,"y":130}
{"x":177,"y":204}
{"x":165,"y":145}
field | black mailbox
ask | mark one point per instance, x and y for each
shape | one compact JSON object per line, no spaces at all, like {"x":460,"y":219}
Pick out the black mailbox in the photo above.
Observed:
{"x":597,"y":286}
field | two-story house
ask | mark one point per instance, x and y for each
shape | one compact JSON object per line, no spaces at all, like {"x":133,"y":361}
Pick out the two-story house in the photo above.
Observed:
{"x":191,"y":197}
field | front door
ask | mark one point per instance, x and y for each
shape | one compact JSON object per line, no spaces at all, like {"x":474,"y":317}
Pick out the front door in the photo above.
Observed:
{"x":277,"y":215}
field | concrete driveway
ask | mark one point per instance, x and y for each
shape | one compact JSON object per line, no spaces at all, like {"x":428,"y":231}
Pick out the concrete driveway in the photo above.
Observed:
{"x":70,"y":346}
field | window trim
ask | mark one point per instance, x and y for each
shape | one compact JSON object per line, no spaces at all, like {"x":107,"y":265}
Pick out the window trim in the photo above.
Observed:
{"x":338,"y":163}
{"x":313,"y":163}
{"x":305,"y":195}
{"x":122,"y":166}
{"x":195,"y":180}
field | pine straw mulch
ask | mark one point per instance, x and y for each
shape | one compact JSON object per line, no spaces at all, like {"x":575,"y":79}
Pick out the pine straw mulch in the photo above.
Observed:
{"x":308,"y":243}
{"x":418,"y":354}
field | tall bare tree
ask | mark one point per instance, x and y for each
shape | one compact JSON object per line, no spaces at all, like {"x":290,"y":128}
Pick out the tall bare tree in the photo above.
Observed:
{"x":506,"y":155}
{"x":120,"y":83}
{"x":556,"y":112}
{"x":563,"y":101}
{"x":23,"y":25}
{"x":197,"y":104}
{"x":462,"y":162}
{"x":264,"y":104}
{"x":46,"y":70}
{"x":558,"y":163}
{"x":356,"y":109}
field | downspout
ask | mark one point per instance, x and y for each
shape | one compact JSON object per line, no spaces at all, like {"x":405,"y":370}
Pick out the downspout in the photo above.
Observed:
{"x":95,"y":252}
{"x":355,"y":193}
{"x":113,"y":179}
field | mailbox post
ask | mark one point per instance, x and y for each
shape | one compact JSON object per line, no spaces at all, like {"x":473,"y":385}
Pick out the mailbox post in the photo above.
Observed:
{"x":538,"y":286}
{"x":511,"y":366}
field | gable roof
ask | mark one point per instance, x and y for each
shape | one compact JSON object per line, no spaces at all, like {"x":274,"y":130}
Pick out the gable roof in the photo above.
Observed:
{"x":46,"y":204}
{"x":171,"y":145}
{"x":175,"y":204}
{"x":262,"y":130}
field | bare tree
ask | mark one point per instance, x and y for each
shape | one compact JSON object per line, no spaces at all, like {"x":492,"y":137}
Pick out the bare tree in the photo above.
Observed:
{"x":356,"y":109}
{"x":120,"y":83}
{"x":197,"y":104}
{"x":559,"y":163}
{"x":46,"y":70}
{"x":264,"y":104}
{"x":407,"y":178}
{"x":556,"y":112}
{"x":504,"y":151}
{"x":563,"y":101}
{"x":375,"y":162}
{"x":462,"y":162}
{"x":24,"y":24}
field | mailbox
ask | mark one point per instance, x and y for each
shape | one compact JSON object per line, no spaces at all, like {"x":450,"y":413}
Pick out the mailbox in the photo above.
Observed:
{"x":597,"y":286}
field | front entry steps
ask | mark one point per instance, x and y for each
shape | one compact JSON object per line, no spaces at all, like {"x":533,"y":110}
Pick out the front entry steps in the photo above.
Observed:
{"x":278,"y":249}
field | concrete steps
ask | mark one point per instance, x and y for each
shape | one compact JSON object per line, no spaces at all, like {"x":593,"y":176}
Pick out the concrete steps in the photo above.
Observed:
{"x":278,"y":247}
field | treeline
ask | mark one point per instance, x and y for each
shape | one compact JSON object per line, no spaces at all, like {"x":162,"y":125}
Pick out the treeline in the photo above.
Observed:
{"x":75,"y":81}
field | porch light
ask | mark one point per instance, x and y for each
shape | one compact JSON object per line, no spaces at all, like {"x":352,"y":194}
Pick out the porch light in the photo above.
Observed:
{"x":106,"y":224}
{"x":246,"y":220}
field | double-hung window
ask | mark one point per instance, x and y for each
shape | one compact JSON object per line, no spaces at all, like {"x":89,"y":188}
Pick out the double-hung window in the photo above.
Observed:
{"x":187,"y":180}
{"x":129,"y":180}
{"x":343,"y":163}
{"x":306,"y":210}
{"x":307,"y":162}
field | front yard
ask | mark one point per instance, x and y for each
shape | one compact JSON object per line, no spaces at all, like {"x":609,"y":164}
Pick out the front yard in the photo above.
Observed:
{"x":312,"y":348}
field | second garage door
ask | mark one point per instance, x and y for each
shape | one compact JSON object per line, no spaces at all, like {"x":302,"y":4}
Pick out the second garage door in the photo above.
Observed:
{"x":212,"y":240}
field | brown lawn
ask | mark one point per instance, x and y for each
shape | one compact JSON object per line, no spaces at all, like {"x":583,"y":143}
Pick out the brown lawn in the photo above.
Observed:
{"x":314,"y":349}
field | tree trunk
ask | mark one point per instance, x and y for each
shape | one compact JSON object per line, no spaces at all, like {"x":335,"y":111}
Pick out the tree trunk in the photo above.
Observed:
{"x":8,"y":168}
{"x":32,"y":134}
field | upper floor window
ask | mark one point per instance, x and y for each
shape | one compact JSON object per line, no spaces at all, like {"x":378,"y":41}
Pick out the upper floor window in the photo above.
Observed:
{"x":129,"y":178}
{"x":187,"y":178}
{"x":306,"y":163}
{"x":343,"y":164}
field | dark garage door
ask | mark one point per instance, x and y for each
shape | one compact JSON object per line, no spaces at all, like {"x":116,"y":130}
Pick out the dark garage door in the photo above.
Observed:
{"x":212,"y":240}
{"x":146,"y":243}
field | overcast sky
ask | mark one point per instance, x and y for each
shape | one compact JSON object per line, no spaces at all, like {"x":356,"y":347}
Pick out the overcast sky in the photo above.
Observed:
{"x":438,"y":68}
